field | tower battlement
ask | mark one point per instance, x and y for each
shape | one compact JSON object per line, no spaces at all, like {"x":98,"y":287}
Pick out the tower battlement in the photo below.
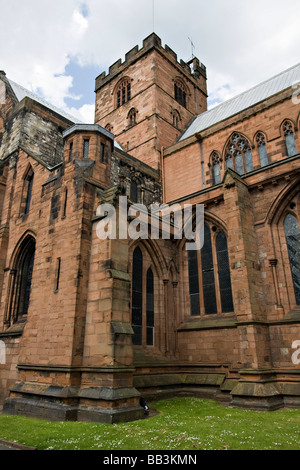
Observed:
{"x":192,"y":69}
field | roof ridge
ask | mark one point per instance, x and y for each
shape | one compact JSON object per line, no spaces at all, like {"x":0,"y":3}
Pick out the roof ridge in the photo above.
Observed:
{"x":226,"y":104}
{"x":252,"y":88}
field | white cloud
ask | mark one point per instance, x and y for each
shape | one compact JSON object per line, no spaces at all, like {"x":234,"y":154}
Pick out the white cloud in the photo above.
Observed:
{"x":240,"y":42}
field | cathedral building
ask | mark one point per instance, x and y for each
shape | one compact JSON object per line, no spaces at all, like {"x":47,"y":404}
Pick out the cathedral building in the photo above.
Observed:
{"x":88,"y":325}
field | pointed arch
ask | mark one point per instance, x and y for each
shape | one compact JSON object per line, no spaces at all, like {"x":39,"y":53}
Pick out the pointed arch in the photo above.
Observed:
{"x":21,"y":272}
{"x":215,"y":160}
{"x":122,"y":92}
{"x":132,"y":117}
{"x":26,"y":197}
{"x":260,"y":139}
{"x":180,"y":91}
{"x":238,"y":153}
{"x":288,"y":131}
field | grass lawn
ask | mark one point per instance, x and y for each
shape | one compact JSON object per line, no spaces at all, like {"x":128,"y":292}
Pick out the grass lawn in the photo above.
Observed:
{"x":181,"y":424}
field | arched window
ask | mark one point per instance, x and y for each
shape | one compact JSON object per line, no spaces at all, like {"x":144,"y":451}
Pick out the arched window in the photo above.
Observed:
{"x":292,"y":233}
{"x":216,"y":168}
{"x":180,"y":92}
{"x":20,"y":282}
{"x":176,"y":118}
{"x":123,"y":92}
{"x":132,"y":117}
{"x":262,"y":149}
{"x":290,"y":143}
{"x":150,"y":308}
{"x":238,"y":154}
{"x":209,"y":276}
{"x":137,"y":296}
{"x":27,"y":192}
{"x":142,"y":301}
{"x":224,"y":273}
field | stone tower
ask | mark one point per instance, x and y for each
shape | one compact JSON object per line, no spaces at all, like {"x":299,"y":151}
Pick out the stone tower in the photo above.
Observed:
{"x":150,"y":98}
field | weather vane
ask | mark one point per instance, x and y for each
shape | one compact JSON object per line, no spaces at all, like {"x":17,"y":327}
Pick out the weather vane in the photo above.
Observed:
{"x":192,"y":46}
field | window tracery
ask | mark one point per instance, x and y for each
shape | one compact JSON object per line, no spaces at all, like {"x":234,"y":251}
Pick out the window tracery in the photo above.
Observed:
{"x":123,"y":92}
{"x":238,"y":154}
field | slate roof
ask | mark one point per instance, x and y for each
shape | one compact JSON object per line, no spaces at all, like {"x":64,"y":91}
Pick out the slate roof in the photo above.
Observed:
{"x":243,"y":101}
{"x":22,"y":92}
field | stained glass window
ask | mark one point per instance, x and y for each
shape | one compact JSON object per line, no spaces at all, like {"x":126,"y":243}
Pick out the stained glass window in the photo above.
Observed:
{"x":208,"y":278}
{"x":262,"y":149}
{"x":289,"y":139}
{"x":238,"y":154}
{"x":137,"y":296}
{"x":224,"y":273}
{"x":292,"y":234}
{"x":205,"y":297}
{"x":215,"y":159}
{"x":150,"y":308}
{"x":194,"y":282}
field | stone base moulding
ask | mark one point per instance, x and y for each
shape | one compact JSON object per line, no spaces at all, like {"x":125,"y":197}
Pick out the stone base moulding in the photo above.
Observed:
{"x":91,"y":404}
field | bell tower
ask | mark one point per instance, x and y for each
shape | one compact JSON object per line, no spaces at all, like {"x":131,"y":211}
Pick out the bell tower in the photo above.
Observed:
{"x":149,"y":99}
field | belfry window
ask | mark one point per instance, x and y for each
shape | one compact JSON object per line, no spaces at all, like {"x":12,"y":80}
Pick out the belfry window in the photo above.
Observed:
{"x":142,"y":301}
{"x":123,"y":92}
{"x":262,"y":149}
{"x":292,"y":234}
{"x":238,"y":154}
{"x":288,"y":130}
{"x":20,"y":282}
{"x":132,"y":117}
{"x":209,"y":276}
{"x":180,"y":92}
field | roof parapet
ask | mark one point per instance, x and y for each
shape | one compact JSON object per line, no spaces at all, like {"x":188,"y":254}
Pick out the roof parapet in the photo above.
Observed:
{"x":152,"y":41}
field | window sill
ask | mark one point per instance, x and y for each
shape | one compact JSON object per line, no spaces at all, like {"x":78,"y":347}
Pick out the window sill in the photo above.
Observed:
{"x":14,"y":330}
{"x":216,"y":321}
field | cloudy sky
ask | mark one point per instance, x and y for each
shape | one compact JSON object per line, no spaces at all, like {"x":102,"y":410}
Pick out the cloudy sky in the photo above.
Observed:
{"x":57,"y":48}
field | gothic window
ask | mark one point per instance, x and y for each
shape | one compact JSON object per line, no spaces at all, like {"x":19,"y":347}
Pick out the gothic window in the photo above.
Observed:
{"x":180,"y":92}
{"x":216,"y":168}
{"x":20,"y":282}
{"x":176,"y":118}
{"x":142,"y":301}
{"x":288,"y":130}
{"x":150,"y":308}
{"x":132,"y":117}
{"x":209,"y":276}
{"x":27,"y":192}
{"x":292,"y":233}
{"x":123,"y":92}
{"x":238,"y":154}
{"x":262,"y":149}
{"x":224,"y":273}
{"x":137,"y":296}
